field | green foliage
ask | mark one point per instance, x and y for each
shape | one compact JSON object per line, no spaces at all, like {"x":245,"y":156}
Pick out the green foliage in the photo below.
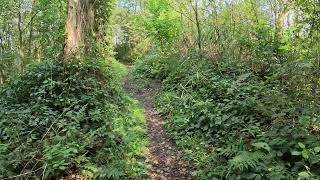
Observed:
{"x":132,"y":42}
{"x":131,"y":128}
{"x":163,"y":25}
{"x":42,"y":33}
{"x":66,"y":116}
{"x":161,"y":65}
{"x":49,"y":22}
{"x":245,"y":160}
{"x":253,"y":129}
{"x":248,"y":108}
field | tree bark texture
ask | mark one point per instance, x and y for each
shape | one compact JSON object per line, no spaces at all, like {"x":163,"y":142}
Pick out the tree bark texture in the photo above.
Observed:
{"x":79,"y":26}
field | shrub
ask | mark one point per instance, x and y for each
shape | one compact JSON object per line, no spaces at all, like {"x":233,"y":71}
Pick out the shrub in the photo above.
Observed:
{"x":155,"y":66}
{"x":63,"y":117}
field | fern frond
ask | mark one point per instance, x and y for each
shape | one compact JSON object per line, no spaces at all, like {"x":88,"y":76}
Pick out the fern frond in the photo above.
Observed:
{"x":231,"y":150}
{"x":245,"y":160}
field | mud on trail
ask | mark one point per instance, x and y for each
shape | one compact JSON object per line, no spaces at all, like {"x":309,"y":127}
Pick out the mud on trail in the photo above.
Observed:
{"x":164,"y":159}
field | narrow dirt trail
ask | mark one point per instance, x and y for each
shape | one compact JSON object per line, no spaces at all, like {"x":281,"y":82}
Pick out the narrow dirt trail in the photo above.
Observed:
{"x":164,"y":159}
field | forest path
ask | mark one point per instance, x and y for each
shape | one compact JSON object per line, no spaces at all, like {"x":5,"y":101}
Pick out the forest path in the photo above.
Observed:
{"x":164,"y":160}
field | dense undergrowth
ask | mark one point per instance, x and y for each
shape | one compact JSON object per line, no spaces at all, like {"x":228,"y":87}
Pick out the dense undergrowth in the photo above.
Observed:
{"x":235,"y":123}
{"x":66,"y":118}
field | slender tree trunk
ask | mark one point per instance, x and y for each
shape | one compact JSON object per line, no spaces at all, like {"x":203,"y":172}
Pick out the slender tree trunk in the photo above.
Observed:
{"x":31,"y":31}
{"x":199,"y":33}
{"x":1,"y":68}
{"x":316,"y":74}
{"x":255,"y":11}
{"x":2,"y":76}
{"x":8,"y":40}
{"x":1,"y":42}
{"x":3,"y":35}
{"x":20,"y":32}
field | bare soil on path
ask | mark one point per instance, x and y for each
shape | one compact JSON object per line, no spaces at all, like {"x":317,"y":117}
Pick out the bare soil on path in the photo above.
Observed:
{"x":164,"y":160}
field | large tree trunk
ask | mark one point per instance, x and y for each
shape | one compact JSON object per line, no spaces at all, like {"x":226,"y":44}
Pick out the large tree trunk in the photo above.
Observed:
{"x":79,"y":25}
